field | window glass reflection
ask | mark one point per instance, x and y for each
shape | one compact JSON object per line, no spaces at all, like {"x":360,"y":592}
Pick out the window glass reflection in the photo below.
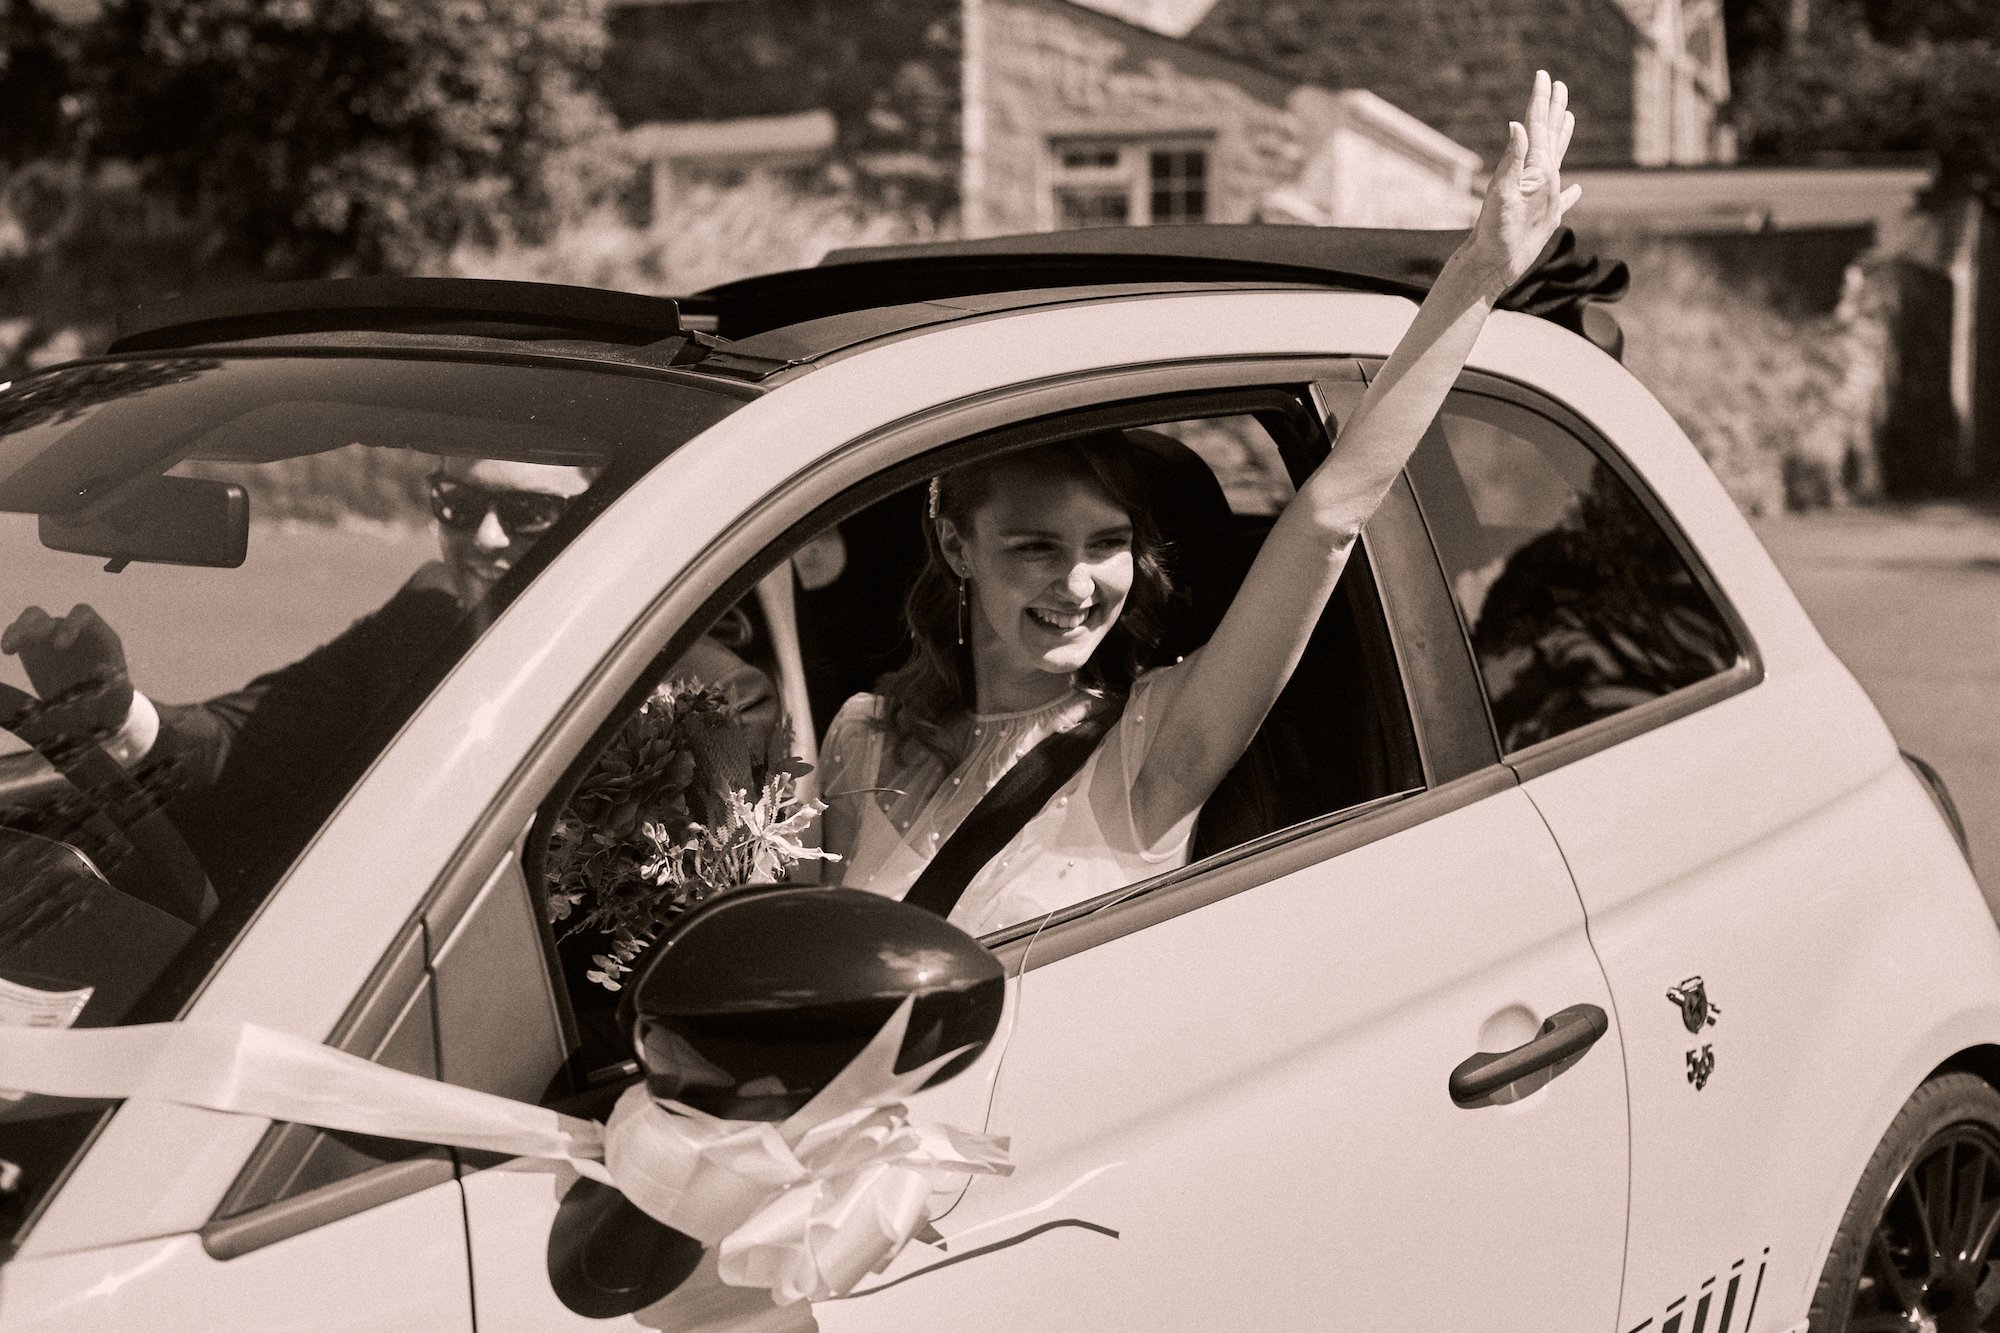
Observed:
{"x":1578,"y":603}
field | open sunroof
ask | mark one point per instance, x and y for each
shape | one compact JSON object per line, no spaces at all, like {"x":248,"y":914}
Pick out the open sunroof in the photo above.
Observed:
{"x":1396,"y":261}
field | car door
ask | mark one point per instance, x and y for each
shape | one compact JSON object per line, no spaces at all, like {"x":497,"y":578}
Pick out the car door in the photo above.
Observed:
{"x":1247,"y":1065}
{"x":313,"y":1220}
{"x":514,"y":1020}
{"x":1735,"y":825}
{"x":1260,"y":1046}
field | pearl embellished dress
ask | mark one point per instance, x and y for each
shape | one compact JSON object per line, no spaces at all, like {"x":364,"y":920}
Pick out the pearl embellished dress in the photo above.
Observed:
{"x":1082,"y":843}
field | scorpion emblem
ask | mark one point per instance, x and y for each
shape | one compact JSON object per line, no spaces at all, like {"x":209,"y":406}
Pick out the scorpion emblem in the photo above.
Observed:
{"x":1701,"y":1064}
{"x":1697,"y":1010}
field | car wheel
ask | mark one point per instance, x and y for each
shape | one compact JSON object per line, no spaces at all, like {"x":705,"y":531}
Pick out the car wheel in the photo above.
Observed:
{"x":1916,"y":1248}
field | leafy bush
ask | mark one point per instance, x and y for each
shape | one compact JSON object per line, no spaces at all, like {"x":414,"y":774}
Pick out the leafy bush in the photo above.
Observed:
{"x":303,"y":139}
{"x":1840,"y":89}
{"x":705,"y":233}
{"x":1774,"y":401}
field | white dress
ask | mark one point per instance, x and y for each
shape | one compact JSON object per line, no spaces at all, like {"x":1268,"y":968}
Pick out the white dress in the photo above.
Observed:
{"x":1082,"y":843}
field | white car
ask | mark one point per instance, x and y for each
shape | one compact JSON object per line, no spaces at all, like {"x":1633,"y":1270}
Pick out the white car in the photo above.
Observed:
{"x":1567,"y":778}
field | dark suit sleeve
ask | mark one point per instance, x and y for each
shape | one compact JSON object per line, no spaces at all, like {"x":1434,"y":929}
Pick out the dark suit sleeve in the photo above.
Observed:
{"x":200,"y":736}
{"x":253,"y":773}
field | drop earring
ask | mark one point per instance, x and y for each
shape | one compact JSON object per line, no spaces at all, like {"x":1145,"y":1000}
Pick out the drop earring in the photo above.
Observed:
{"x":964,"y":608}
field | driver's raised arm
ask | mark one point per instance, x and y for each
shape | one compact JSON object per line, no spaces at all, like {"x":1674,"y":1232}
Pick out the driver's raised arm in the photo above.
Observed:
{"x":76,"y":664}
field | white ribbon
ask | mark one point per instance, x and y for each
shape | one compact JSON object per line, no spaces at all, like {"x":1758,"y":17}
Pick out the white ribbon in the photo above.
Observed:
{"x":805,"y":1208}
{"x":810,"y":1206}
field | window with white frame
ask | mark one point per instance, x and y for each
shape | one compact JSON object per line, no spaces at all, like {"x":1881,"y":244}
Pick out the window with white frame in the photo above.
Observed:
{"x":1114,"y":182}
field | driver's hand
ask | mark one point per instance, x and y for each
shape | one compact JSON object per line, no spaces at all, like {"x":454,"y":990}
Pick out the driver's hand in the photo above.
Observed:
{"x":76,"y":661}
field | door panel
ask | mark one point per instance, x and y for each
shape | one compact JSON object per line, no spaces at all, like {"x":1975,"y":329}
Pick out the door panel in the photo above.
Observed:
{"x":1754,"y":1107}
{"x":1269,"y":1075}
{"x":396,"y":1267}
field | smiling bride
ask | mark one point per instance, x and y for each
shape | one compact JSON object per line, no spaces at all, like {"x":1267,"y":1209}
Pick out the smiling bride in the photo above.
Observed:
{"x":1035,"y":682}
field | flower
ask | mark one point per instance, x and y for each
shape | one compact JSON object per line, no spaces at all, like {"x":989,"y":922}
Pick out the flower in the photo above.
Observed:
{"x":665,"y":819}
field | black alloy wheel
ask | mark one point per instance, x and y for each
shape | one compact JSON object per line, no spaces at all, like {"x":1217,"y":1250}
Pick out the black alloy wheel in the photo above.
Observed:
{"x":1916,"y":1252}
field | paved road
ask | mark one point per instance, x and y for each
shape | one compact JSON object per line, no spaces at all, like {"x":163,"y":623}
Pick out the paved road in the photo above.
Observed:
{"x":1909,"y":597}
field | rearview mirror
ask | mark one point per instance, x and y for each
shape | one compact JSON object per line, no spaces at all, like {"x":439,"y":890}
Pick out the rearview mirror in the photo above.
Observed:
{"x":162,"y":521}
{"x":761,"y":996}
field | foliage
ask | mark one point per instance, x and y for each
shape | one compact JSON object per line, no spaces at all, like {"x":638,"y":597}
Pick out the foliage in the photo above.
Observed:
{"x":1902,"y":20}
{"x":1768,"y":396}
{"x":885,"y":69}
{"x":706,"y":233}
{"x":665,"y":819}
{"x":301,"y":137}
{"x":1907,"y":86}
{"x":1591,"y":617}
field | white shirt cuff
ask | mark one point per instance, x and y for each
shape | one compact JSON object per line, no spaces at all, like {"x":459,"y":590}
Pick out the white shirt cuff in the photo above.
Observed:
{"x":135,"y":737}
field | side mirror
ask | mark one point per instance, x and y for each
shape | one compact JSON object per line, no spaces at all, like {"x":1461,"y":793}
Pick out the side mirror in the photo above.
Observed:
{"x":761,"y":996}
{"x":160,"y":520}
{"x":746,"y":1010}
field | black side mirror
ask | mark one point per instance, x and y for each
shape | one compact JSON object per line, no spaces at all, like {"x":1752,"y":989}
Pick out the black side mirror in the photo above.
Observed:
{"x":160,"y":520}
{"x":760,"y":997}
{"x":753,"y":1003}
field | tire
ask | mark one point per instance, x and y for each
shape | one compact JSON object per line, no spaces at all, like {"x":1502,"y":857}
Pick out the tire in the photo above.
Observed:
{"x":1916,"y":1249}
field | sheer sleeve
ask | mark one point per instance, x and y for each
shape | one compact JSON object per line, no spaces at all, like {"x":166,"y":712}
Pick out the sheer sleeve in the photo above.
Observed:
{"x":848,"y":760}
{"x":1123,"y":757}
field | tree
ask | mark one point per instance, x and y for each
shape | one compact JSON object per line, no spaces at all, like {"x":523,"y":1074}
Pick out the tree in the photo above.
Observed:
{"x":304,"y":137}
{"x":1881,"y":77}
{"x":887,"y":70}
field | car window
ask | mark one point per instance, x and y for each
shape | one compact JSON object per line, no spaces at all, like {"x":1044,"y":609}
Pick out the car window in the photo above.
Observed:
{"x":1577,"y":599}
{"x":280,"y":556}
{"x":1245,"y":458}
{"x":1340,"y":736}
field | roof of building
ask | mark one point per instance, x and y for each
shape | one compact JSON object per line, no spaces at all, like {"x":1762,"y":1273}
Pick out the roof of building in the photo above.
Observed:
{"x":803,"y":134}
{"x":1169,"y":18}
{"x":1665,"y":200}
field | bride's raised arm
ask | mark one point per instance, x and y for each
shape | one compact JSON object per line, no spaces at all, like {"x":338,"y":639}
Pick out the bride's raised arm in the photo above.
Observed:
{"x":1225,"y":690}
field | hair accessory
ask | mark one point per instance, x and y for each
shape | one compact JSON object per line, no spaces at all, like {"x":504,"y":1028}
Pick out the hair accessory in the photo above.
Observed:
{"x":936,"y":494}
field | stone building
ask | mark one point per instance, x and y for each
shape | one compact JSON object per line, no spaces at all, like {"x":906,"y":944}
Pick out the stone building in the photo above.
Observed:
{"x":1072,"y":112}
{"x":1076,"y":117}
{"x":1646,"y":76}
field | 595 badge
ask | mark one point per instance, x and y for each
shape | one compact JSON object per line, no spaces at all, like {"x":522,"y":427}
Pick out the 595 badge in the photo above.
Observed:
{"x":1697,"y":1012}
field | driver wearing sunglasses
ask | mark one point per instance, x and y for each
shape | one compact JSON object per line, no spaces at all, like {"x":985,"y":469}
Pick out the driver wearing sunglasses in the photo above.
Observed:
{"x":491,"y":511}
{"x":235,"y":759}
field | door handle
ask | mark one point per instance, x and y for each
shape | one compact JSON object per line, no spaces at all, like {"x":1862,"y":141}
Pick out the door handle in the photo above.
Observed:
{"x":1561,"y":1042}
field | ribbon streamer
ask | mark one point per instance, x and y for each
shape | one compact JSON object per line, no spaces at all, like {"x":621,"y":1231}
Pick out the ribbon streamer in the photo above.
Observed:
{"x":805,"y":1208}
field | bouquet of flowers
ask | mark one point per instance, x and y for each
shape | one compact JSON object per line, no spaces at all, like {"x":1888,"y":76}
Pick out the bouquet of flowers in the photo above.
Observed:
{"x":675,"y":810}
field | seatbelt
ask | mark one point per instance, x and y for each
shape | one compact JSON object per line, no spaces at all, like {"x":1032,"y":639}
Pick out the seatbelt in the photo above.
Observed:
{"x":1007,"y":807}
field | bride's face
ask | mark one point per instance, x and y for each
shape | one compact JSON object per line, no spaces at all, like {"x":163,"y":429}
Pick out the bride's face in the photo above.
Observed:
{"x":1049,"y":562}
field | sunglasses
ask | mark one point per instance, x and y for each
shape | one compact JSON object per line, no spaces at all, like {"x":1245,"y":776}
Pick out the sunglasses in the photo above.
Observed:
{"x":464,"y":506}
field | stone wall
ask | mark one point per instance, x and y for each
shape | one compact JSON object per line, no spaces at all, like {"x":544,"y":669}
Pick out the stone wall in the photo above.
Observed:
{"x":1460,"y":66}
{"x":1053,"y":70}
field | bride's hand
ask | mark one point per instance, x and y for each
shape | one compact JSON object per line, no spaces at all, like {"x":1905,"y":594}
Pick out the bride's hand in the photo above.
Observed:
{"x":1525,"y":200}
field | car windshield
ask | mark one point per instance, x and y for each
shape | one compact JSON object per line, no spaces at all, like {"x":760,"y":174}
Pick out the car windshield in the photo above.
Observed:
{"x":228,"y":580}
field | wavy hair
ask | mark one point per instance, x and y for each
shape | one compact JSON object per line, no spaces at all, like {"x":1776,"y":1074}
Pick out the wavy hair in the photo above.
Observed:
{"x":930,"y":691}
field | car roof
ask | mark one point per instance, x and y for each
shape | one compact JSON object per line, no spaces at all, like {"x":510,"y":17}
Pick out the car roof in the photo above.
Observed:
{"x":755,"y":330}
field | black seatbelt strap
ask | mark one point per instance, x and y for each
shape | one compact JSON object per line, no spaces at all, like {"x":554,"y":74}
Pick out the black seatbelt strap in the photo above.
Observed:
{"x":1007,"y":807}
